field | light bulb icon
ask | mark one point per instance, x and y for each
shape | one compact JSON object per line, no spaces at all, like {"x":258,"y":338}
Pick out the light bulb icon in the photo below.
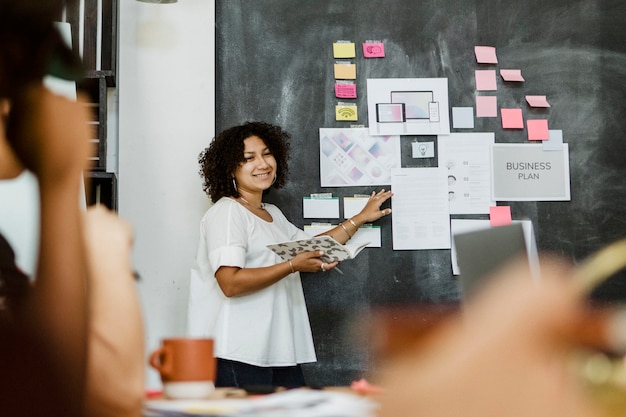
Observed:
{"x":423,"y":148}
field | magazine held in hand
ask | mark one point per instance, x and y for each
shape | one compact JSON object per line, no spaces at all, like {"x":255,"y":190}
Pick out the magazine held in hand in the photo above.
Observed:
{"x":333,"y":250}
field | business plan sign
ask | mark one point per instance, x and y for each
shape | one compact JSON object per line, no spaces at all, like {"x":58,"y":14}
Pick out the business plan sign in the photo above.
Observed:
{"x":527,"y":172}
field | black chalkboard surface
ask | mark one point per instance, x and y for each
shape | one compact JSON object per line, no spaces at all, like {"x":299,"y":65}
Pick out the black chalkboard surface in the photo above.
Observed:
{"x":274,"y":63}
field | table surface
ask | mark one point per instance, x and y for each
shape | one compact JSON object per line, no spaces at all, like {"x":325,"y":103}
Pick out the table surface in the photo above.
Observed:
{"x":233,"y":401}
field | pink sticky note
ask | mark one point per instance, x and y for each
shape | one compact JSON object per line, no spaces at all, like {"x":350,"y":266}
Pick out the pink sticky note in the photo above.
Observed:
{"x":537,"y":101}
{"x":537,"y":129}
{"x":485,"y":54}
{"x":345,"y":90}
{"x":486,"y":106}
{"x":500,"y":215}
{"x":363,"y":387}
{"x":512,"y":118}
{"x":373,"y":49}
{"x":486,"y":80}
{"x":511,"y":75}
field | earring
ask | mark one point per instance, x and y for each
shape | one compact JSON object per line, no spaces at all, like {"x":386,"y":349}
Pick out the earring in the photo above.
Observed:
{"x":234,"y":184}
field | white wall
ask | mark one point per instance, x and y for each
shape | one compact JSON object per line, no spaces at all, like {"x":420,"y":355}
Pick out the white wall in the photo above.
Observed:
{"x":166,"y":117}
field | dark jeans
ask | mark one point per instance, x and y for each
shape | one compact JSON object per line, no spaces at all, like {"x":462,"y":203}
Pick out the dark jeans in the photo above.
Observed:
{"x":240,"y":375}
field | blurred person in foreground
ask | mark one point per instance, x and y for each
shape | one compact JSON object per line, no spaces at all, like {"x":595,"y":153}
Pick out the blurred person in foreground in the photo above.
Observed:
{"x":71,"y":337}
{"x":509,"y":353}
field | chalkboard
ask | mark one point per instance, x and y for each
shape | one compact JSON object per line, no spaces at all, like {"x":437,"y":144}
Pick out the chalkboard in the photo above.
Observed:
{"x":274,"y":63}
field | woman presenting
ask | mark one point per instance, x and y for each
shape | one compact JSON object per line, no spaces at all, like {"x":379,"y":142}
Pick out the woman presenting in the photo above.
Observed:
{"x":241,"y":293}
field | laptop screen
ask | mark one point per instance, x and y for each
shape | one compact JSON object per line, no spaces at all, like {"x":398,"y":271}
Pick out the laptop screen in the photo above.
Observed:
{"x":481,"y":252}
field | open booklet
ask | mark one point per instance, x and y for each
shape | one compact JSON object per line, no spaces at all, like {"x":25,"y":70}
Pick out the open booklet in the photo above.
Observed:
{"x":333,"y":250}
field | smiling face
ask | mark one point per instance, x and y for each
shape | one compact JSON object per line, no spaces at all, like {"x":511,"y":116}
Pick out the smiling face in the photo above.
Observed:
{"x":258,"y":170}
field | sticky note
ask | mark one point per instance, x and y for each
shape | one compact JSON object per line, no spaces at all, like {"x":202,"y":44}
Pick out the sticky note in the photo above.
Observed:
{"x":463,"y":117}
{"x":537,"y":129}
{"x":537,"y":101}
{"x":373,"y":50}
{"x":485,"y":54}
{"x":353,"y":205}
{"x":511,"y":75}
{"x":346,"y":112}
{"x":345,"y":90}
{"x":314,"y":229}
{"x":555,"y":143}
{"x":512,"y":118}
{"x":500,"y":216}
{"x":486,"y":80}
{"x":367,"y":234}
{"x":345,"y":71}
{"x":344,"y":50}
{"x":320,"y":208}
{"x":486,"y":106}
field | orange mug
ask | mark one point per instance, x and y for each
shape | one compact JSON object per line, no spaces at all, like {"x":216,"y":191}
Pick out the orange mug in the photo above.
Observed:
{"x":187,"y":367}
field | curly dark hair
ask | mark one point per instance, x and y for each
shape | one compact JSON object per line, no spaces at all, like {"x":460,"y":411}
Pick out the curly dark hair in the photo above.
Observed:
{"x":221,"y":159}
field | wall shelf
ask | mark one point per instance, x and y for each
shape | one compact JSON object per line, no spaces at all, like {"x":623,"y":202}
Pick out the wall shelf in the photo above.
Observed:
{"x":102,"y":189}
{"x":94,"y":85}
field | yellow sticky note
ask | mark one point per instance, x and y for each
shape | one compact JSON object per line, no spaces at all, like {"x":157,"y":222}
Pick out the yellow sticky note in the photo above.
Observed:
{"x":345,"y":71}
{"x":346,"y":113}
{"x":344,"y":50}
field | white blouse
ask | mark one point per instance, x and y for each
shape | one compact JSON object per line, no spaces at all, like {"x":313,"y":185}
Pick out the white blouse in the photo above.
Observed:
{"x":269,"y":327}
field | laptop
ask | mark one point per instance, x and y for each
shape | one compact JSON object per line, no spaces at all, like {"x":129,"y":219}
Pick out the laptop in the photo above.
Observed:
{"x":481,"y":252}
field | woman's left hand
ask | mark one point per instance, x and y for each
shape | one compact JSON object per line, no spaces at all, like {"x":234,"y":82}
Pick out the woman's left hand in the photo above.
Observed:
{"x":372,"y":211}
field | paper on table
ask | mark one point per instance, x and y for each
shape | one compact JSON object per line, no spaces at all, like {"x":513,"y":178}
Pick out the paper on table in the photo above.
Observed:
{"x":311,"y":403}
{"x":486,"y":106}
{"x":295,"y":402}
{"x":174,"y":408}
{"x":421,"y":216}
